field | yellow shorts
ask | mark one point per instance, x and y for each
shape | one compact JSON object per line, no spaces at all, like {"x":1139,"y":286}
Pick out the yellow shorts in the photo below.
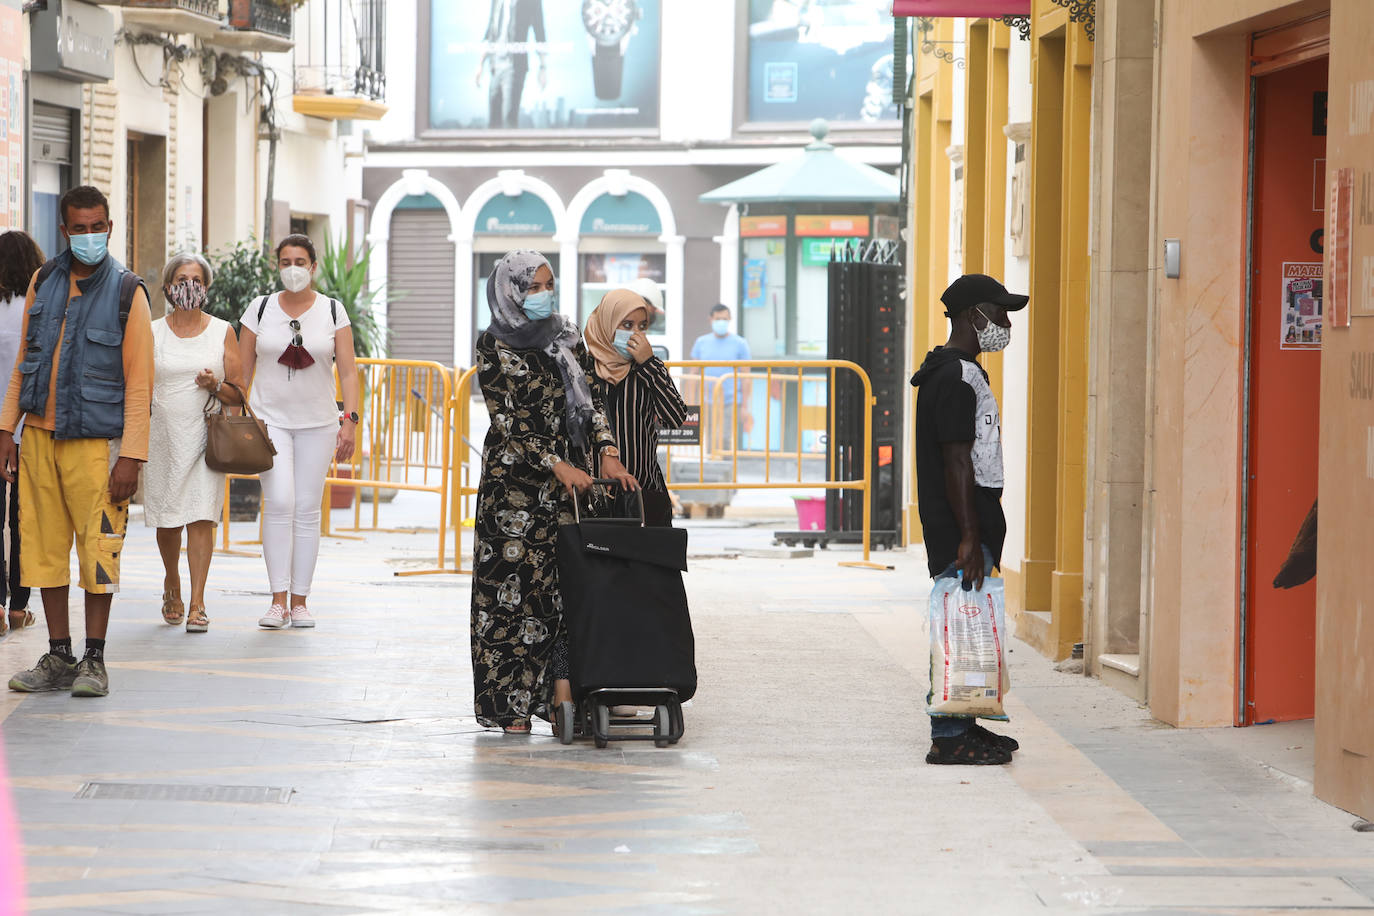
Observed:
{"x":64,"y":492}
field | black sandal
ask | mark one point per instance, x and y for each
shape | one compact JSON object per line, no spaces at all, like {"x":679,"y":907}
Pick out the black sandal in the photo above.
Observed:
{"x":967,"y":750}
{"x":1005,"y":742}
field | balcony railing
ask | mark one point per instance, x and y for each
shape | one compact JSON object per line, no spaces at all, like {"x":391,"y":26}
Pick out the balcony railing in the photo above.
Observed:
{"x":360,"y":82}
{"x":175,"y":17}
{"x":208,"y":8}
{"x":260,"y":16}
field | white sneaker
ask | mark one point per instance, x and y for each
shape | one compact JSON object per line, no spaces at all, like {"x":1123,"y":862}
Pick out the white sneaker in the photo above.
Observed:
{"x":275,"y":618}
{"x":300,"y":617}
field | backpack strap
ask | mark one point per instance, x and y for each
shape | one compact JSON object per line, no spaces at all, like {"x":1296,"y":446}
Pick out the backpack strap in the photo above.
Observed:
{"x":262,"y":307}
{"x":44,"y":272}
{"x":333,"y":312}
{"x":129,"y":282}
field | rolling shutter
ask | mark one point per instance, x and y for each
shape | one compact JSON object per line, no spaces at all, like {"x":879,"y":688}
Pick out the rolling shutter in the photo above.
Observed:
{"x":420,"y":274}
{"x":51,"y":139}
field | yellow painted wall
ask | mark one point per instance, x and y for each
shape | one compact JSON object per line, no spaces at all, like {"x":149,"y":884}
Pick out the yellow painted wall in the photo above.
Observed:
{"x":930,"y":219}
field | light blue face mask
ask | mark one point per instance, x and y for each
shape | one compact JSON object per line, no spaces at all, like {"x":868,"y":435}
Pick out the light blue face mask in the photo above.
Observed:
{"x":540,"y":305}
{"x":90,"y":249}
{"x":622,"y":342}
{"x":720,"y":327}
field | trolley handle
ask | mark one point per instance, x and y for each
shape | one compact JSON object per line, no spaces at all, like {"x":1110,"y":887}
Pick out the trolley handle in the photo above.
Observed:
{"x":607,"y":482}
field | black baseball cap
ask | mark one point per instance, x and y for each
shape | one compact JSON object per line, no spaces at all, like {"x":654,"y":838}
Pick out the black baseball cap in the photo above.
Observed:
{"x":975,"y":289}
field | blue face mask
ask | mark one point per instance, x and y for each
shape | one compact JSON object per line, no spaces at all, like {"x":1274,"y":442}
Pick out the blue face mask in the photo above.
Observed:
{"x":90,"y":249}
{"x":622,"y":342}
{"x":720,"y":327}
{"x":539,"y":306}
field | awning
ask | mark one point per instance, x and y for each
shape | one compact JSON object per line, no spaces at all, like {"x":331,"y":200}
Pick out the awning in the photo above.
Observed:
{"x":818,"y":175}
{"x":972,"y":9}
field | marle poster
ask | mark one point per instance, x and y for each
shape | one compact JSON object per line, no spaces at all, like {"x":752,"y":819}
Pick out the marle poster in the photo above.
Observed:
{"x":519,"y":65}
{"x":1302,"y":306}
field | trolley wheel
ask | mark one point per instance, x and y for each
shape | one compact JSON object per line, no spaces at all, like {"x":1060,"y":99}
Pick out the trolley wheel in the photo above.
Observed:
{"x":663,"y":726}
{"x":809,"y":542}
{"x":603,"y":724}
{"x":565,"y":720}
{"x":825,"y":545}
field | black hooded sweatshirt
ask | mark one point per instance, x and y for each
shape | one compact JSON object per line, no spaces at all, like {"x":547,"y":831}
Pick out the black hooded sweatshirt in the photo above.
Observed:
{"x":955,"y":404}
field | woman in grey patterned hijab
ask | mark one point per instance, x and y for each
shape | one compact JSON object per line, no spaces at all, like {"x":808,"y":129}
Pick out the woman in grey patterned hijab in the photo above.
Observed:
{"x":556,"y":335}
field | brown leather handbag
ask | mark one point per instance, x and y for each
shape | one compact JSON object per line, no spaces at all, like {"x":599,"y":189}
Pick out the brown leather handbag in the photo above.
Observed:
{"x":236,"y":444}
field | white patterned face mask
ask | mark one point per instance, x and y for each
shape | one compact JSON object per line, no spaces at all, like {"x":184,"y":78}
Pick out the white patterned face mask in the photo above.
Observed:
{"x":992,"y":337}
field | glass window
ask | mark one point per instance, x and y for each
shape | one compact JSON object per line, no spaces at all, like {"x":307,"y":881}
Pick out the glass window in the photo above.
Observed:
{"x":602,"y":273}
{"x":763,"y":299}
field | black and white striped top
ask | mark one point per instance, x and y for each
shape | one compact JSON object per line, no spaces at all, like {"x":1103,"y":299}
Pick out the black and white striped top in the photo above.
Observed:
{"x":645,"y":402}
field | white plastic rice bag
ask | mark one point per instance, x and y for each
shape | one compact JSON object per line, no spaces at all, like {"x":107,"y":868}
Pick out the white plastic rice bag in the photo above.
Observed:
{"x":968,"y":662}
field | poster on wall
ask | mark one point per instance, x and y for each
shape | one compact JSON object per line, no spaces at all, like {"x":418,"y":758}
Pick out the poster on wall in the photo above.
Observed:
{"x":820,"y":59}
{"x":519,"y":65}
{"x":1302,"y":306}
{"x":755,"y":282}
{"x":12,"y":112}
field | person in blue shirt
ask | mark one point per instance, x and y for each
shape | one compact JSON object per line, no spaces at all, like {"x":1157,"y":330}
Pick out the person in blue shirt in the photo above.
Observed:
{"x":723,"y":344}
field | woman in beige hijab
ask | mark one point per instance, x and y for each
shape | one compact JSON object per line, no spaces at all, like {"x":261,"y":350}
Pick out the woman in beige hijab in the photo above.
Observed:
{"x":638,"y":393}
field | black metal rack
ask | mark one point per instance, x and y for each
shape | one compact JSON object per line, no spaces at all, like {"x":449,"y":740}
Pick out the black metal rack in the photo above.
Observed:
{"x":866,"y":326}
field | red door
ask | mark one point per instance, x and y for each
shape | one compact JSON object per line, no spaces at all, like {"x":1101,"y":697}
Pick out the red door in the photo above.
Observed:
{"x":1285,"y":375}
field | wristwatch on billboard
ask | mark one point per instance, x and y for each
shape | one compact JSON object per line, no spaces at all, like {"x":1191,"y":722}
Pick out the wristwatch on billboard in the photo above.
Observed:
{"x":609,"y":24}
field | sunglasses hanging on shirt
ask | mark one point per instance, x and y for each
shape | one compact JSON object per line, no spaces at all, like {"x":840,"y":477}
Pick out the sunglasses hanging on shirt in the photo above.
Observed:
{"x":296,"y":356}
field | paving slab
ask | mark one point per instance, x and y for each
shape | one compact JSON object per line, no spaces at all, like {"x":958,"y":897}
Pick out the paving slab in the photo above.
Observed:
{"x":800,"y":786}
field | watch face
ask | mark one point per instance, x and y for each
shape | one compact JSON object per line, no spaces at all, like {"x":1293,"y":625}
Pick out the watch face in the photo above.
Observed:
{"x":608,"y":20}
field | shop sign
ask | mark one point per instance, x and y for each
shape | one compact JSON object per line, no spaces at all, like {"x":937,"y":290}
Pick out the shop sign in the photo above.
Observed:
{"x":818,"y":252}
{"x":751,"y":227}
{"x":689,"y":433}
{"x":973,"y":9}
{"x":852,"y":226}
{"x":12,"y":113}
{"x":1338,"y":214}
{"x":628,"y":214}
{"x":524,"y":214}
{"x":72,"y":40}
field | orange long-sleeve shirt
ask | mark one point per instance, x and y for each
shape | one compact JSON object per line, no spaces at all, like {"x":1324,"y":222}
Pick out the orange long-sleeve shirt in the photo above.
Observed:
{"x":138,"y":378}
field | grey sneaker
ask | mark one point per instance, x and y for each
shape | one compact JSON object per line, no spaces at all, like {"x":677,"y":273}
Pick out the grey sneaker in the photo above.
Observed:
{"x":91,"y":679}
{"x":53,"y":672}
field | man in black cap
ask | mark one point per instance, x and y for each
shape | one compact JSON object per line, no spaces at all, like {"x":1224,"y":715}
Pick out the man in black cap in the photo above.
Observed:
{"x":959,"y":474}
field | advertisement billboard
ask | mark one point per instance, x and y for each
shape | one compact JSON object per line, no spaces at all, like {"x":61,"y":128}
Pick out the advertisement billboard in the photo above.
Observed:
{"x":521,"y":65}
{"x":820,"y":59}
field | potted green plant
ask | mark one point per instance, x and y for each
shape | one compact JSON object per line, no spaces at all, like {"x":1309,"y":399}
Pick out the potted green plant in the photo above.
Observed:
{"x":242,"y":273}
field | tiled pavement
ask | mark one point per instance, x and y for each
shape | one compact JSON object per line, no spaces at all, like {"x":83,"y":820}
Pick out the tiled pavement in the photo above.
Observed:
{"x":799,"y":787}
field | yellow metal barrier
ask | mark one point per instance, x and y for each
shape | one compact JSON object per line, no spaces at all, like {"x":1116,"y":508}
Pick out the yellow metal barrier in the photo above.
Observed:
{"x":405,"y":438}
{"x":800,"y":372}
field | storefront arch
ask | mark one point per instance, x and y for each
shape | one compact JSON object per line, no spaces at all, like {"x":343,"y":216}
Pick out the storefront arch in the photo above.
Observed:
{"x":414,"y":183}
{"x":618,"y":183}
{"x":508,"y":183}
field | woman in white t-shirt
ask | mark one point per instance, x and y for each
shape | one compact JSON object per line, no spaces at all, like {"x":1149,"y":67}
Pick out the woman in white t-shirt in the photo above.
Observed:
{"x":20,"y":258}
{"x":289,"y":342}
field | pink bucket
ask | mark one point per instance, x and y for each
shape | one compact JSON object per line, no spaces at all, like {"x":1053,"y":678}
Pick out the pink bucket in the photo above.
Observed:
{"x":810,"y":513}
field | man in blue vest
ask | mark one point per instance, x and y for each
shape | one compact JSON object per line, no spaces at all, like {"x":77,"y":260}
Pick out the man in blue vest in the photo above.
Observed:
{"x":83,"y":389}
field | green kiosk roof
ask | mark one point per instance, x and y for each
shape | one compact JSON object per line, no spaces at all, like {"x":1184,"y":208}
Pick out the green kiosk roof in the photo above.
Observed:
{"x":816,"y":176}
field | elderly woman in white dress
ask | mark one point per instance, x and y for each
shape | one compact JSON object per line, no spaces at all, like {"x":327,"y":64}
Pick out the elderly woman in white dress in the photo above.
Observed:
{"x":194,"y":355}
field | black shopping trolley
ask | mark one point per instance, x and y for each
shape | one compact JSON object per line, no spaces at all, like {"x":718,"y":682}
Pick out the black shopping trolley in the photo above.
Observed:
{"x":630,"y":637}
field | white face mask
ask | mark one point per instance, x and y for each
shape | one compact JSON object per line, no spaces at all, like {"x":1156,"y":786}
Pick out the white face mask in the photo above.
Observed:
{"x":992,"y":337}
{"x":295,"y":278}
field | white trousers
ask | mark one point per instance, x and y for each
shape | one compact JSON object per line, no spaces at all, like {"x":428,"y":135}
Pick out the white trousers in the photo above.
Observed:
{"x":291,"y":495}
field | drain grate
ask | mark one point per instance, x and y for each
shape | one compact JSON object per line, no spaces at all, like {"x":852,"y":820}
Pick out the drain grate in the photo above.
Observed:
{"x":138,"y":791}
